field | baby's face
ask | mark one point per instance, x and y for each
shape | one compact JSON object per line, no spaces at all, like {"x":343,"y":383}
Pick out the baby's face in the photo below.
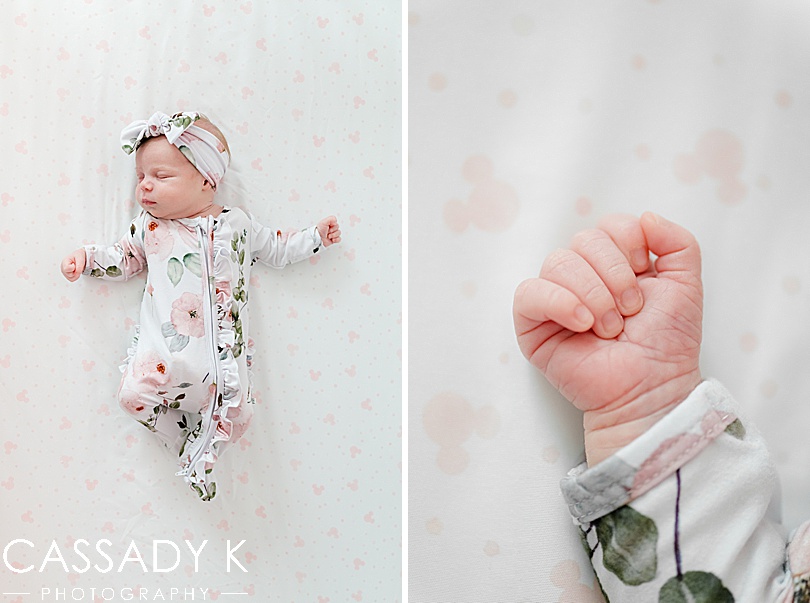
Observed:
{"x":168,"y":185}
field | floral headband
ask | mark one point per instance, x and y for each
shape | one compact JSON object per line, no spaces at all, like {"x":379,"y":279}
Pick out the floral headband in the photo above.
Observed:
{"x":204,"y":150}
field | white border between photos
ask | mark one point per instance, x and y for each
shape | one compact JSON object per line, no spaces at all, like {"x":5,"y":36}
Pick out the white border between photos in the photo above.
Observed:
{"x":404,"y":401}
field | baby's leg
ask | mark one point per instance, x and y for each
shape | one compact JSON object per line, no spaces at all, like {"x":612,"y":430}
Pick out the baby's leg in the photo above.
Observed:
{"x":172,"y":425}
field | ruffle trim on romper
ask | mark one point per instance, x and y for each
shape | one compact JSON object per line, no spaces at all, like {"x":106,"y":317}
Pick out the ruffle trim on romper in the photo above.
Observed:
{"x":131,"y":350}
{"x":250,"y":349}
{"x":199,"y":476}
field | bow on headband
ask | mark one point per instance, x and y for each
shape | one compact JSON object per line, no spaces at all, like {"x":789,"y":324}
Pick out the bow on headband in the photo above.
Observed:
{"x":204,"y":150}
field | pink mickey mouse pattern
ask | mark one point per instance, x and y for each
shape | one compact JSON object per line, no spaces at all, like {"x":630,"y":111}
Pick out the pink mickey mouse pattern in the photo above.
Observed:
{"x":718,"y":154}
{"x":493,"y":204}
{"x":450,"y":420}
{"x":333,"y":72}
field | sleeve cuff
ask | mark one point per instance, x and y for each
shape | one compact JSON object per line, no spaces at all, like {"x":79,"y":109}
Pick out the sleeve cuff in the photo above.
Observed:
{"x":316,"y":237}
{"x":89,"y":252}
{"x":647,"y":461}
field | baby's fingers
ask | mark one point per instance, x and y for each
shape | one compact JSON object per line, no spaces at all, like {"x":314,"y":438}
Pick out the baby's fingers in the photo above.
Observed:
{"x":538,"y":300}
{"x":69,"y":269}
{"x":573,"y":272}
{"x":626,"y":233}
{"x":612,"y":266}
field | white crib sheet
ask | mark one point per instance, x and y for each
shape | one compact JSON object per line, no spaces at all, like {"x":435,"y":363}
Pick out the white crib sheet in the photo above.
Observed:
{"x":309,"y":97}
{"x":528,"y":121}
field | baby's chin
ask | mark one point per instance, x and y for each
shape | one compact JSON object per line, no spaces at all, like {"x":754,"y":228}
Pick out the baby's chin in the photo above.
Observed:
{"x":152,"y":208}
{"x":160,"y":210}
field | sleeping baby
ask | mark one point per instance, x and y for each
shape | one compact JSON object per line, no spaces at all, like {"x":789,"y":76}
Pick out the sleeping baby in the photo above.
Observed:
{"x":187,"y":374}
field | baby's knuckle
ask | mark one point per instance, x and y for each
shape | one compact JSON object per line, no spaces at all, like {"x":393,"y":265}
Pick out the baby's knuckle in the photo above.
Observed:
{"x":557,"y":298}
{"x":588,"y":239}
{"x":596,"y":292}
{"x":557,"y":261}
{"x":617,"y":272}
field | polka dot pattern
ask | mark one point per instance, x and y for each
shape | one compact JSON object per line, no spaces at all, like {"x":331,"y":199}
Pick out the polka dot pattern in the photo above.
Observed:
{"x":309,"y":97}
{"x":550,"y":116}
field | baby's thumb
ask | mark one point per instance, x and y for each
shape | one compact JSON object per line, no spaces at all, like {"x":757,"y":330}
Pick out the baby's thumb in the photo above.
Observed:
{"x":677,"y":249}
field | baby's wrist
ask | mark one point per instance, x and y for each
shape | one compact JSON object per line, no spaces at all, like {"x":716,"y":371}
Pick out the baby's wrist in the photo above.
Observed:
{"x":609,"y":430}
{"x":80,"y":257}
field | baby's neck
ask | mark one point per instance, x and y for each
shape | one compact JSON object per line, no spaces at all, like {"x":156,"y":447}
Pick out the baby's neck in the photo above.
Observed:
{"x":212,"y":210}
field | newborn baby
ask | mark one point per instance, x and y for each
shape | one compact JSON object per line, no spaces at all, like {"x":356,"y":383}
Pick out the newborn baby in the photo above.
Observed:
{"x":187,"y":375}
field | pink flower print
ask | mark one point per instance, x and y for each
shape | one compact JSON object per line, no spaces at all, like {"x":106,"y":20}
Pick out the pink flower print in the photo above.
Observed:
{"x":799,"y":551}
{"x":223,"y":430}
{"x":158,"y":124}
{"x":239,"y":420}
{"x":212,"y":390}
{"x":187,"y":315}
{"x":158,"y":240}
{"x":224,"y":293}
{"x":285,"y":235}
{"x":150,"y":368}
{"x":188,"y":235}
{"x":224,"y":288}
{"x":131,"y":402}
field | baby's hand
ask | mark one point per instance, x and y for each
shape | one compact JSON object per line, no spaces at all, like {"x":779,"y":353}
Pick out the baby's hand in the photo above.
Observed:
{"x":619,"y":337}
{"x":73,"y":265}
{"x":329,"y":230}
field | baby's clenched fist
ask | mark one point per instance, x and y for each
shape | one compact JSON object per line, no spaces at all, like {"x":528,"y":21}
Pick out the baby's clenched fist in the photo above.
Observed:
{"x":617,"y":335}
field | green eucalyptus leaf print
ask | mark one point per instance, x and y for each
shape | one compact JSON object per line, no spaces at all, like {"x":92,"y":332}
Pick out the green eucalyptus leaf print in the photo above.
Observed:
{"x":736,"y":429}
{"x":695,"y":587}
{"x":178,"y":343}
{"x":97,"y":272}
{"x":583,"y":540}
{"x":168,"y":330}
{"x":175,"y":271}
{"x":114,"y":271}
{"x":187,"y":154}
{"x":192,"y":262}
{"x":629,"y":541}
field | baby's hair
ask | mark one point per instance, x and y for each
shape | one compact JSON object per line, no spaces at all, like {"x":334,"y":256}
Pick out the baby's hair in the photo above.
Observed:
{"x":207,"y":125}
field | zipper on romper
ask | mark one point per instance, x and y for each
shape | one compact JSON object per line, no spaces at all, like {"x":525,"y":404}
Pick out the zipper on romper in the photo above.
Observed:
{"x":211,"y":333}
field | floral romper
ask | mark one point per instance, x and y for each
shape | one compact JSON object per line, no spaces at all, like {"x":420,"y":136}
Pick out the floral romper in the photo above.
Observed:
{"x":187,"y":375}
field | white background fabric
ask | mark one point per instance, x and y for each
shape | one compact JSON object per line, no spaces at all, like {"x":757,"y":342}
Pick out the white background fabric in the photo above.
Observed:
{"x":309,"y":97}
{"x":527,"y":122}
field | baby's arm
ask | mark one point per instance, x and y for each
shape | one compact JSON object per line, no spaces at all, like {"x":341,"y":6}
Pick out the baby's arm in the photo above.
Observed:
{"x":123,"y":260}
{"x":278,"y":249}
{"x":677,"y":495}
